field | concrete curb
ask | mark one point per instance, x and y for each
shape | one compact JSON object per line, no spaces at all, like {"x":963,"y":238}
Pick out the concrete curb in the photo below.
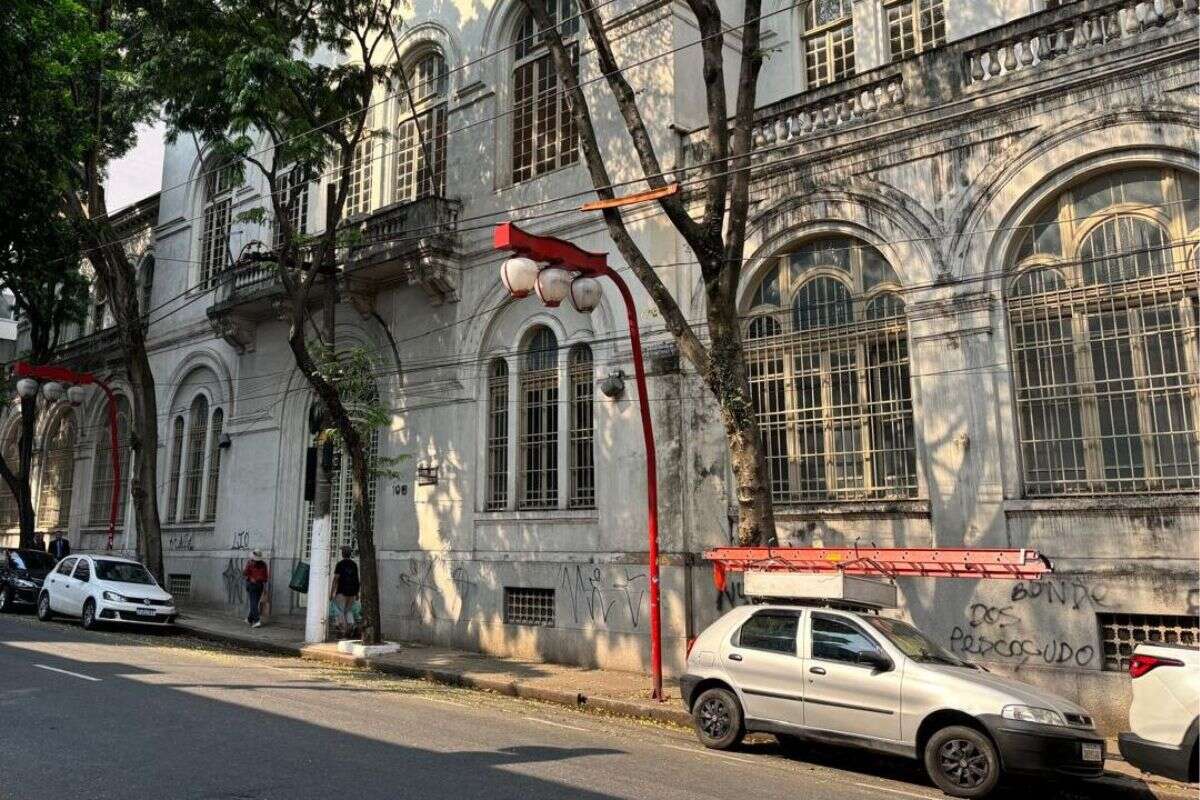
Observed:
{"x":664,"y":712}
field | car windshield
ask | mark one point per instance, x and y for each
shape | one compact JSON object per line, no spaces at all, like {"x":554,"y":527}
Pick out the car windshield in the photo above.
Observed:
{"x":33,"y":560}
{"x":122,"y":572}
{"x":915,"y":644}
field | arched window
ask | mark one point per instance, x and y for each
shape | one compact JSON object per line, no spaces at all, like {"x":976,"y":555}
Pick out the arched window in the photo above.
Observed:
{"x":146,"y":279}
{"x":582,"y":467}
{"x":214,"y":464}
{"x":197,"y":445}
{"x":10,"y":515}
{"x":421,"y":132}
{"x":58,"y":473}
{"x":1102,"y":313}
{"x":539,"y":421}
{"x":827,"y":357}
{"x":102,"y":468}
{"x":219,"y":186}
{"x":497,"y":436}
{"x":543,"y":132}
{"x":176,"y":469}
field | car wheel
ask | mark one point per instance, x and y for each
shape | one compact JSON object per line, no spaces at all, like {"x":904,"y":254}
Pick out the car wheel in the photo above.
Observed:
{"x":5,"y":599}
{"x":88,"y":618}
{"x":43,"y":611}
{"x":718,"y":717}
{"x":962,"y":762}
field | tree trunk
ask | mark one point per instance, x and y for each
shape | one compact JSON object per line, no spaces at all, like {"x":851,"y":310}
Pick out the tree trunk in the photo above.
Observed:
{"x":144,"y":470}
{"x":24,"y":488}
{"x":364,"y":535}
{"x":730,"y":383}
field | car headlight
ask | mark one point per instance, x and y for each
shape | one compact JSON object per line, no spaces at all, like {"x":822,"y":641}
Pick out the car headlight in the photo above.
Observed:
{"x":21,"y":583}
{"x":113,"y":596}
{"x":170,"y":600}
{"x":1044,"y":716}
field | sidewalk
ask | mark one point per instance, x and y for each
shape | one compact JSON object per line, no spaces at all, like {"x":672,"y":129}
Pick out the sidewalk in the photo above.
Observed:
{"x":623,"y":693}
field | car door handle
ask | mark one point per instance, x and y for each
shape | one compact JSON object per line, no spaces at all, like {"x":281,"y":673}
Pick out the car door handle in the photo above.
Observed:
{"x":734,"y":657}
{"x":817,"y":670}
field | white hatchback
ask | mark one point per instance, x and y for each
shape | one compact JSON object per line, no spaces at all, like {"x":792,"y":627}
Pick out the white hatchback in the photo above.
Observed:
{"x":100,"y":589}
{"x":865,"y":680}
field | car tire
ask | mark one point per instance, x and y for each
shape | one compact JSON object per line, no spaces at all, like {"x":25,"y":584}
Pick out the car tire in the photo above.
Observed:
{"x":5,"y":599}
{"x":962,"y":762}
{"x":718,"y":717}
{"x":88,"y":617}
{"x":44,"y":612}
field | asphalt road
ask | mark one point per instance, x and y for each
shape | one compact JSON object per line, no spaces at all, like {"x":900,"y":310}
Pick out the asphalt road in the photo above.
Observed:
{"x":129,"y":715}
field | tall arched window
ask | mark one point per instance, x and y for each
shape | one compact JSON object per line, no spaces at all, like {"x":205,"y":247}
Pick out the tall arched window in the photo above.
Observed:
{"x":219,"y":186}
{"x":497,"y":436}
{"x":58,"y":472}
{"x":421,"y":133}
{"x":102,"y":468}
{"x":827,"y":357}
{"x":1102,"y":312}
{"x":582,"y":463}
{"x":214,"y":464}
{"x":146,"y":281}
{"x":543,"y":133}
{"x":197,"y":447}
{"x":538,"y":451}
{"x":176,"y":469}
{"x":10,"y":515}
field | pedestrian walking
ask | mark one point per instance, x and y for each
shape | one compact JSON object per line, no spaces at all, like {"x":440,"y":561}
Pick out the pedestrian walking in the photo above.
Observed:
{"x":60,"y":548}
{"x":344,"y":591}
{"x":39,"y":542}
{"x":257,"y":575}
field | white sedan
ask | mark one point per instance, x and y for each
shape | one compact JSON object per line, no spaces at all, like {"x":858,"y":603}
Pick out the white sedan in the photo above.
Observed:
{"x":101,"y":589}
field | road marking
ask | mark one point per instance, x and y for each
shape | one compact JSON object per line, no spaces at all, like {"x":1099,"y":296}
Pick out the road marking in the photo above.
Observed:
{"x":894,"y":791}
{"x":67,"y":672}
{"x":697,"y":752}
{"x":557,"y":724}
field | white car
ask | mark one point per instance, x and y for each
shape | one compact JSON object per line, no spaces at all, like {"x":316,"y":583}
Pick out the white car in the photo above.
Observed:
{"x":1166,"y":698}
{"x":100,"y":589}
{"x":860,"y":679}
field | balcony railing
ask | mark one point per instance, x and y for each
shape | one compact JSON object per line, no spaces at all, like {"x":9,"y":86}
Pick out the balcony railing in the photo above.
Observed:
{"x":1029,"y":49}
{"x":412,"y":242}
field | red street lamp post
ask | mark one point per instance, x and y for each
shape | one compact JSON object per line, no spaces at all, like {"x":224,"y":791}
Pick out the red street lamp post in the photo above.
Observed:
{"x":59,"y":375}
{"x":566,"y":270}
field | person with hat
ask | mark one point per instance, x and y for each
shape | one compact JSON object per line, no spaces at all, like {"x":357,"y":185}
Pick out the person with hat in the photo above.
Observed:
{"x":257,"y":575}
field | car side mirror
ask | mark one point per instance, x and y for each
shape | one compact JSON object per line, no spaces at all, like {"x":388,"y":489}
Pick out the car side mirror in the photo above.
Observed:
{"x":875,"y":660}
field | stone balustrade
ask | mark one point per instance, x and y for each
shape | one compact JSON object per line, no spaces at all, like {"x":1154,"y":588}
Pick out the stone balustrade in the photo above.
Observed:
{"x":857,"y":105}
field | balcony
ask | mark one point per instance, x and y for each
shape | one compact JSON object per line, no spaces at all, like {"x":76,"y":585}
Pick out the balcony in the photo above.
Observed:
{"x":1044,"y":52}
{"x":408,"y":243}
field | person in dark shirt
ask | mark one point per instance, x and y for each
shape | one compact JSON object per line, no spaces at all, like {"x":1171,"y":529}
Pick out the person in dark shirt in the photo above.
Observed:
{"x":345,"y":591}
{"x":60,"y":548}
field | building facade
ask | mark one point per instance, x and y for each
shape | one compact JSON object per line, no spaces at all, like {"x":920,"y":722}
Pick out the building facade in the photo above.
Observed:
{"x":970,"y":298}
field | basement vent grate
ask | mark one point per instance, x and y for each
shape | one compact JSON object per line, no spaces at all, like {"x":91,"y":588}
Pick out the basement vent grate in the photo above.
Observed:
{"x":180,"y":586}
{"x":1120,"y":633}
{"x":525,"y":606}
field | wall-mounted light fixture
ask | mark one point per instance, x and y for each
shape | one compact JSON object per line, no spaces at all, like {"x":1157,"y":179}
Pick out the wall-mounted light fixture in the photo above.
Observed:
{"x":224,"y":442}
{"x":614,"y":385}
{"x":427,"y":475}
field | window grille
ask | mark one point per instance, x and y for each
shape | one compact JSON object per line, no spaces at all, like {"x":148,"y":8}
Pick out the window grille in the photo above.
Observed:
{"x":543,"y":134}
{"x":179,"y":586}
{"x":497,"y":437}
{"x":102,"y":472}
{"x":176,"y":469}
{"x":1102,"y":318}
{"x":218,"y":210}
{"x":358,"y":191}
{"x":341,"y":506}
{"x":830,"y":381}
{"x":214,"y":464}
{"x":58,"y":474}
{"x":524,"y":606}
{"x":539,"y":422}
{"x":197,"y":444}
{"x":10,"y":515}
{"x":1120,"y":633}
{"x":421,"y":138}
{"x":828,"y":41}
{"x":293,"y":197}
{"x":915,"y":26}
{"x":582,"y":464}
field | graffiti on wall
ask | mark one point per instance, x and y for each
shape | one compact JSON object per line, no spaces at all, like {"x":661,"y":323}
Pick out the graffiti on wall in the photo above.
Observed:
{"x":594,"y":599}
{"x":235,"y":584}
{"x":240,"y":541}
{"x":418,"y":581}
{"x":181,"y":541}
{"x":732,"y":596}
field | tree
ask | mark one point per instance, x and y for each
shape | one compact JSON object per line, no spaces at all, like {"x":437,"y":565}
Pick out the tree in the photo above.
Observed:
{"x":717,"y":237}
{"x":39,"y":255}
{"x":299,"y":76}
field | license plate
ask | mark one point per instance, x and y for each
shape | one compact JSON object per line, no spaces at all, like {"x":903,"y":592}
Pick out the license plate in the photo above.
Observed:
{"x":1092,"y":752}
{"x":150,"y":612}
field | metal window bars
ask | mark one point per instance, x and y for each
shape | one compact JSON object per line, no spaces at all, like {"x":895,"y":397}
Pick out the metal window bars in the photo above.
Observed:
{"x":582,"y":467}
{"x":58,"y":473}
{"x":497,"y":437}
{"x":193,"y":469}
{"x":1121,"y":633}
{"x":526,"y":606}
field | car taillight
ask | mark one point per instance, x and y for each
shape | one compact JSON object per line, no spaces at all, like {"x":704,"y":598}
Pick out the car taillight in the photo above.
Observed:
{"x":1139,"y":665}
{"x":690,"y":644}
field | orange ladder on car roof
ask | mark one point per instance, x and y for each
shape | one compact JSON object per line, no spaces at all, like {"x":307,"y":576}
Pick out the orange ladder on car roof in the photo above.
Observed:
{"x":891,"y":562}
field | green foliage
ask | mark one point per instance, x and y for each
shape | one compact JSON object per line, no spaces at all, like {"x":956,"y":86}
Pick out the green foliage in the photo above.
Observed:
{"x":352,"y":372}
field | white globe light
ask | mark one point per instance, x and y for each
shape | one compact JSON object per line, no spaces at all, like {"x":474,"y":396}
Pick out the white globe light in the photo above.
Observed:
{"x":519,"y":275}
{"x":585,"y":294}
{"x":53,"y":391}
{"x":27,"y":387}
{"x":553,"y":285}
{"x":76,"y":395}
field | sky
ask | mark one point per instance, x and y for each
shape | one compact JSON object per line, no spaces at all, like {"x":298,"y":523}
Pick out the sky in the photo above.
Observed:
{"x":139,"y":173}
